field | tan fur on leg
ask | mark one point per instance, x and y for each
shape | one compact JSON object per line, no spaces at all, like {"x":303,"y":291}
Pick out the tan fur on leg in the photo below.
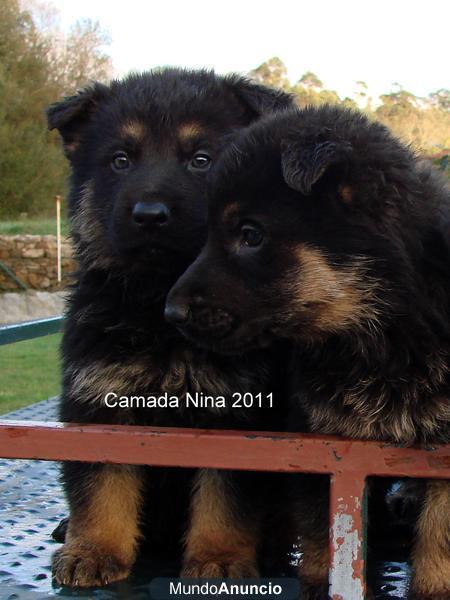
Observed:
{"x":314,"y":564}
{"x":431,"y":559}
{"x":218,"y":542}
{"x":102,"y":537}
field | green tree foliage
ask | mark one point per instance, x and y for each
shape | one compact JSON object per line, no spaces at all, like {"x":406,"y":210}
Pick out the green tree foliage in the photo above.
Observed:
{"x":273,"y":73}
{"x":38,"y":66}
{"x":441,"y":99}
{"x":423,"y":122}
{"x":309,"y":90}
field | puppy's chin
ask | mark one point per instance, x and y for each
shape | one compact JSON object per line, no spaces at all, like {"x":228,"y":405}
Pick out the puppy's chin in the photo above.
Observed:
{"x":153,"y":259}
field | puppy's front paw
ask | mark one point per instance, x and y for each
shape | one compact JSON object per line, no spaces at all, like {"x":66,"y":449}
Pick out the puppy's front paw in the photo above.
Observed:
{"x":80,"y":564}
{"x":217,"y":567}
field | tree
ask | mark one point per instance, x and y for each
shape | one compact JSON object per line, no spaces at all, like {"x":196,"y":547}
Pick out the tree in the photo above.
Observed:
{"x":422,"y":122}
{"x":272,"y":72}
{"x":362,"y":98}
{"x":309,"y":90}
{"x":415,"y":120}
{"x":78,"y":57}
{"x":441,"y":99}
{"x":35,"y":71}
{"x":311,"y":81}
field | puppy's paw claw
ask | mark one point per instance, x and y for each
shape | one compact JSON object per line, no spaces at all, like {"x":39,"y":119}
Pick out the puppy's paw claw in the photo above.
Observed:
{"x":85,"y":565}
{"x":216,"y":568}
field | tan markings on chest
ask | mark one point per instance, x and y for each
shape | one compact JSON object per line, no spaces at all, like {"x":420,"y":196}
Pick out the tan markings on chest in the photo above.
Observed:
{"x":404,"y":423}
{"x":183,"y":372}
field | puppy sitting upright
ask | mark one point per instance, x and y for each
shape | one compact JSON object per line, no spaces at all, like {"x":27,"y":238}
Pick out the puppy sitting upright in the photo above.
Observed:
{"x":139,"y":151}
{"x":327,"y":231}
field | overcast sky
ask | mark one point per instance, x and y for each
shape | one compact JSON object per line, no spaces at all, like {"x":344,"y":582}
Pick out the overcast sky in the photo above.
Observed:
{"x":342,"y":41}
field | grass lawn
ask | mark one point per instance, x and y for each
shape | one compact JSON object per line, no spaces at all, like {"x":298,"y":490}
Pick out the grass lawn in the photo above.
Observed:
{"x":29,"y":372}
{"x":32,"y":226}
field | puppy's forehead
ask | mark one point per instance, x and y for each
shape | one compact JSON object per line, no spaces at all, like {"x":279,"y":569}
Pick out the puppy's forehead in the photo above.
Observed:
{"x":230,"y":210}
{"x":134,"y":129}
{"x":182,"y":132}
{"x":189,"y":130}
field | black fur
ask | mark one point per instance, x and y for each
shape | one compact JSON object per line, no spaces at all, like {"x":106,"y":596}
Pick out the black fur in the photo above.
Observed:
{"x":327,"y":231}
{"x":116,"y":338}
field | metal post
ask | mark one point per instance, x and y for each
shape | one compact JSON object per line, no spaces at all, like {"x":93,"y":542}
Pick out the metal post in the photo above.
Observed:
{"x":58,"y":236}
{"x":347,"y":535}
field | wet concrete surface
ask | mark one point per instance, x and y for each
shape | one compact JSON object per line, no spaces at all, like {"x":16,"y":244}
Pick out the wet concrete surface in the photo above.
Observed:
{"x":32,"y":504}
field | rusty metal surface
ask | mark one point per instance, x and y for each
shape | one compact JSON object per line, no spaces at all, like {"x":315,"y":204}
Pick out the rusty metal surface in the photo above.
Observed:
{"x":347,"y":553}
{"x":44,"y":411}
{"x":266,"y":451}
{"x":31,"y":502}
{"x":31,"y":505}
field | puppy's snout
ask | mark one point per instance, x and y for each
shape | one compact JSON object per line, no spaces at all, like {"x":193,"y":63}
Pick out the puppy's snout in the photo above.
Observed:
{"x":151,"y":214}
{"x":177,"y":314}
{"x":196,"y":318}
{"x":213,"y":320}
{"x":178,"y":310}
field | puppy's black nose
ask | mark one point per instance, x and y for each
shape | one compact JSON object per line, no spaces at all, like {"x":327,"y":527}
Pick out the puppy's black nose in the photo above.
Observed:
{"x":177,"y":314}
{"x":151,"y":214}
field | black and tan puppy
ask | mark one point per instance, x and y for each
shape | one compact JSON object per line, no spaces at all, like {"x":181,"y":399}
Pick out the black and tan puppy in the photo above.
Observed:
{"x":139,"y":151}
{"x":327,"y":231}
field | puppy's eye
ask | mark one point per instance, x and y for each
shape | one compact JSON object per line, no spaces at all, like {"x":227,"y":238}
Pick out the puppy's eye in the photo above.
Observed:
{"x":120,"y":161}
{"x":251,"y":235}
{"x":201,"y":161}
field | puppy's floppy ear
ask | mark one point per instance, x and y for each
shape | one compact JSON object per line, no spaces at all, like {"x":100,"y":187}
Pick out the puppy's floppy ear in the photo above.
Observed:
{"x":71,"y":114}
{"x":259,"y":99}
{"x":303,"y":164}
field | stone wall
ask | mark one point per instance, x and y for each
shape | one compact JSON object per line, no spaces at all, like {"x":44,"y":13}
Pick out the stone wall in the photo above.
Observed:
{"x":32,"y":258}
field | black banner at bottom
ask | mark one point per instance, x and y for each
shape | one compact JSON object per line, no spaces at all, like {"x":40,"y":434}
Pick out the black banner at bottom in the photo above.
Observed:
{"x":167,"y":588}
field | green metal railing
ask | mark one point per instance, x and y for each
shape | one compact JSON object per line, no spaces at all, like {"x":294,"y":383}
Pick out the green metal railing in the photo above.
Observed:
{"x":30,"y":329}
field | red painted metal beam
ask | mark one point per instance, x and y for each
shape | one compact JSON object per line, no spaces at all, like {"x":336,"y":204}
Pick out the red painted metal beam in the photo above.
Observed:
{"x":348,"y":462}
{"x":260,"y":451}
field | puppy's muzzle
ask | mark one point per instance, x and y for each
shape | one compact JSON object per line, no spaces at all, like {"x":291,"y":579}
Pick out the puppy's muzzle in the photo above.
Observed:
{"x":177,"y":314}
{"x":199,"y":319}
{"x":151,"y":215}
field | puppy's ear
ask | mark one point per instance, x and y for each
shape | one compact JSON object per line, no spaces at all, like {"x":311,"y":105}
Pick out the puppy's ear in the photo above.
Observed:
{"x":304,"y":164}
{"x":259,"y":99}
{"x":71,"y":115}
